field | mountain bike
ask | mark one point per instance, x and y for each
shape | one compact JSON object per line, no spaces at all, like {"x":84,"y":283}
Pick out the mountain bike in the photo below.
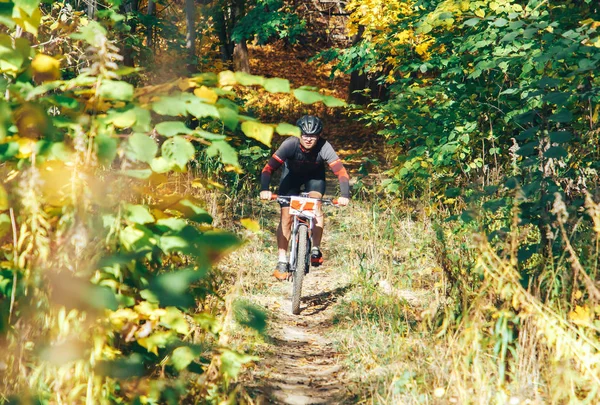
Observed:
{"x":304,"y":210}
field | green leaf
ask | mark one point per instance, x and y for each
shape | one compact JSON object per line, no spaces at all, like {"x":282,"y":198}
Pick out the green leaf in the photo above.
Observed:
{"x":331,"y":101}
{"x":173,"y":289}
{"x":500,"y":22}
{"x":158,"y":340}
{"x":143,"y":147}
{"x":200,"y":109}
{"x":232,"y":362}
{"x":586,"y":64}
{"x":220,"y":240}
{"x":121,"y":368}
{"x":160,"y":165}
{"x":208,"y":322}
{"x":138,"y":214}
{"x":230,"y":117}
{"x":29,"y":6}
{"x":6,"y":11}
{"x":249,"y":314}
{"x":170,"y":105}
{"x":287,"y":129}
{"x":471,"y":22}
{"x":107,"y":148}
{"x":246,"y":79}
{"x":548,"y":82}
{"x":276,"y":85}
{"x":173,"y":243}
{"x":562,"y":116}
{"x":560,"y":136}
{"x":557,"y":97}
{"x":10,"y":59}
{"x":184,"y":355}
{"x":527,"y":134}
{"x":194,"y":212}
{"x":259,"y":131}
{"x":171,"y":128}
{"x":91,"y":33}
{"x":209,"y":136}
{"x":143,"y":121}
{"x":510,"y":37}
{"x":175,"y":320}
{"x":227,"y":152}
{"x":136,"y":238}
{"x":171,"y":224}
{"x":64,"y":102}
{"x":178,"y":151}
{"x":116,"y":90}
{"x":556,"y":152}
{"x":527,"y":149}
{"x":307,"y":96}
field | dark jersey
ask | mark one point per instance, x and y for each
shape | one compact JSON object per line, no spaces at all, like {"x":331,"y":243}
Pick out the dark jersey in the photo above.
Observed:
{"x":306,"y":163}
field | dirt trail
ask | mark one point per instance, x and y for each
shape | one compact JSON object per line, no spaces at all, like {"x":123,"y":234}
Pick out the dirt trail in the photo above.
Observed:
{"x":301,"y":366}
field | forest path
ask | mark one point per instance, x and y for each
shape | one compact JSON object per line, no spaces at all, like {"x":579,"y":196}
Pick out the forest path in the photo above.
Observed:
{"x":300,"y":365}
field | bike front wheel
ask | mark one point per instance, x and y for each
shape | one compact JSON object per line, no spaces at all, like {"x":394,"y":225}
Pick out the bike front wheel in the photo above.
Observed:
{"x":300,"y":271}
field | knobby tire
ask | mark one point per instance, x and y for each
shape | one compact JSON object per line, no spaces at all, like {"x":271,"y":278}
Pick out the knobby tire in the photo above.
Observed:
{"x":298,"y":276}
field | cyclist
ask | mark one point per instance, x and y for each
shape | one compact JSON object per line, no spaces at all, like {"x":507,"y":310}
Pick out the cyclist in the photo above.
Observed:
{"x":304,"y":160}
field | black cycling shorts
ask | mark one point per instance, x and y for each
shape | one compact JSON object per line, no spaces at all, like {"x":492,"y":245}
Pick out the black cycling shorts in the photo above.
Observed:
{"x":293,"y":184}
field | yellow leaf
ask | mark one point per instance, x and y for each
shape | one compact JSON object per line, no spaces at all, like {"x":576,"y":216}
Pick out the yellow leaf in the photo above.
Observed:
{"x":261,"y":132}
{"x":45,"y":68}
{"x":581,"y":316}
{"x":3,"y":199}
{"x":227,"y":78}
{"x":250,"y":224}
{"x":31,"y":120}
{"x":480,"y":13}
{"x":185,"y":84}
{"x":207,"y":94}
{"x":29,"y":23}
{"x":122,"y":316}
{"x":26,"y":146}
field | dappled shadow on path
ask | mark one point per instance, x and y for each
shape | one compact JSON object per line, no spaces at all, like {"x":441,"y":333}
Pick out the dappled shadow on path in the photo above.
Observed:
{"x":319,"y":302}
{"x":303,"y":366}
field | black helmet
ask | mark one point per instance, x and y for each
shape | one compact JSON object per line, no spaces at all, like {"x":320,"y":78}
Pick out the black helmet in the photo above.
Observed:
{"x":310,"y":125}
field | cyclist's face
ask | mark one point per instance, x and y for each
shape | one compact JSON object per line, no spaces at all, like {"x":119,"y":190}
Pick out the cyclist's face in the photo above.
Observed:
{"x":308,"y":141}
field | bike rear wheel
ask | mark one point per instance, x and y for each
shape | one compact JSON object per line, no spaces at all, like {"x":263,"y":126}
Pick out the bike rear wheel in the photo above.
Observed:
{"x":300,"y":271}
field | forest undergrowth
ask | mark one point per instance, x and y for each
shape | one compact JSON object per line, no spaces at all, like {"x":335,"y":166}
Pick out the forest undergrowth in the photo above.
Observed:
{"x":396,"y":329}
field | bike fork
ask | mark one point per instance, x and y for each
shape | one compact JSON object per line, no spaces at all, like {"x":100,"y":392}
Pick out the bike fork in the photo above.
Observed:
{"x":294,"y":246}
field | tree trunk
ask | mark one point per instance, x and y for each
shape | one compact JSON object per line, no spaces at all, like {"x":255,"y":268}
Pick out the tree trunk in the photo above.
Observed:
{"x":221,"y":24}
{"x":240,"y":57}
{"x":358,"y":80}
{"x":128,"y":7}
{"x":149,"y":29}
{"x":190,"y":38}
{"x":91,"y":8}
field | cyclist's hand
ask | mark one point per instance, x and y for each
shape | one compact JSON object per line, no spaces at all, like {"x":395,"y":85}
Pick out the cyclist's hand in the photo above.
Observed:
{"x":265,"y":195}
{"x":343,"y":201}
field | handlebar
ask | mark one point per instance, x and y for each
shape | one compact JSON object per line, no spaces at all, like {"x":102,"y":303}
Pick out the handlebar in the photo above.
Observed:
{"x":286,"y":198}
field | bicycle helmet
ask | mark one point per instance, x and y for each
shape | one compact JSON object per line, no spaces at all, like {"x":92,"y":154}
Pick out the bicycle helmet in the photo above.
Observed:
{"x":310,"y":125}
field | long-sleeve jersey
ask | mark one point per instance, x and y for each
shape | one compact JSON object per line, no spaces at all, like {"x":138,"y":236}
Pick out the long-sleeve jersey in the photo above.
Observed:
{"x":306,"y":163}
